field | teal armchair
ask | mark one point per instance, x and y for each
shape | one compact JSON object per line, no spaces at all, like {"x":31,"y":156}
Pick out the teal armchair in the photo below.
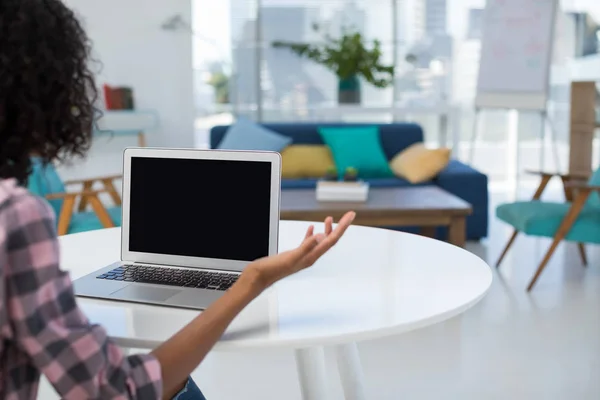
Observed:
{"x":576,"y":220}
{"x":71,"y":208}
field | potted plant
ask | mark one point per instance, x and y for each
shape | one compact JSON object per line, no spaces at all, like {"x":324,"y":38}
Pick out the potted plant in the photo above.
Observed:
{"x":350,"y":57}
{"x":331,"y":175}
{"x":220,"y":82}
{"x":351,"y":174}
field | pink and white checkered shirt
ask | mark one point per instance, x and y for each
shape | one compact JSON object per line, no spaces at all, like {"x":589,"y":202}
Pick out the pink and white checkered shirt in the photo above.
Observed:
{"x":41,"y":328}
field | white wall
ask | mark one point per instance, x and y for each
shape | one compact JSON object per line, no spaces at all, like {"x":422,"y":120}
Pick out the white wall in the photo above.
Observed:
{"x":157,"y":64}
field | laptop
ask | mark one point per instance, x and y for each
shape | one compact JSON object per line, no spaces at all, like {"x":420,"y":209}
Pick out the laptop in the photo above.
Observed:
{"x":192,"y":221}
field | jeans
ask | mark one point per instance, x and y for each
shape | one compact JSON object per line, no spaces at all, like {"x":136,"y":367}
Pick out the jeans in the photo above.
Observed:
{"x":190,"y":392}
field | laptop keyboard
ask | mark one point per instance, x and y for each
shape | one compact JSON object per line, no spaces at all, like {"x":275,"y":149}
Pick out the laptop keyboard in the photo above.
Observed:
{"x":171,"y":277}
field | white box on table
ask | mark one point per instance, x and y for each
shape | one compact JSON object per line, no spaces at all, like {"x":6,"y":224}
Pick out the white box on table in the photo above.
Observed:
{"x":342,"y":191}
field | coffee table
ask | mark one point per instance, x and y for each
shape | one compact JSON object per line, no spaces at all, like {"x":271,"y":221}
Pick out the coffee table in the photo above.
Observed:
{"x":426,"y":207}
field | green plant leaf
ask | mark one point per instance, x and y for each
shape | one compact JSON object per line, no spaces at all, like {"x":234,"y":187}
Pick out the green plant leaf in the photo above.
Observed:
{"x":347,"y":56}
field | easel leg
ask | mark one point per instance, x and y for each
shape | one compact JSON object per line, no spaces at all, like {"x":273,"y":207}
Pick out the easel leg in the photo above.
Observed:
{"x":542,"y":166}
{"x":474,"y":135}
{"x":513,"y":161}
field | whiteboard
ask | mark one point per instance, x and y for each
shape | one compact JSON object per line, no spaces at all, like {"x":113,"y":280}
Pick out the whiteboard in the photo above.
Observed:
{"x":516,"y":52}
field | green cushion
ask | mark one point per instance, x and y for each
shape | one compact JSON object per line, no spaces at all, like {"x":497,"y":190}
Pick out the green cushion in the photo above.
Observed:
{"x":539,"y":218}
{"x":88,"y":221}
{"x":357,"y":147}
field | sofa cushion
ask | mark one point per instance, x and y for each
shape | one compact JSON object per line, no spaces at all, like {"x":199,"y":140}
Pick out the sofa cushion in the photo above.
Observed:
{"x":419,"y":164}
{"x":247,"y":135}
{"x":357,"y":147}
{"x":394,"y":137}
{"x":306,"y":161}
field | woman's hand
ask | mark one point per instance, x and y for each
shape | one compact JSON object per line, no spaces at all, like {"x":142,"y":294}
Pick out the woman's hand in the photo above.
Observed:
{"x":266,"y":271}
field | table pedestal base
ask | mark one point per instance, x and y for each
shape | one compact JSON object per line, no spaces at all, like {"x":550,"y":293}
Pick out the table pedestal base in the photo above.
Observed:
{"x":313,"y":374}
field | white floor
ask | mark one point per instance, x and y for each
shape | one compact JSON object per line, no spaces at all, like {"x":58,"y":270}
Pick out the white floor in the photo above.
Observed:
{"x":512,"y":345}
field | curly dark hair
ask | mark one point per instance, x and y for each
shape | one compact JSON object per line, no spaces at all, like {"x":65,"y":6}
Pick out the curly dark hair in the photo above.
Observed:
{"x":47,"y":91}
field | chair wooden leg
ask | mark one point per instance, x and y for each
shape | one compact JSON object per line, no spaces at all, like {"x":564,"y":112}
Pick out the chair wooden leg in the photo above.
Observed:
{"x":83,"y":202}
{"x":542,"y":265}
{"x":66,"y":212}
{"x":510,"y":242}
{"x":561,"y":233}
{"x":583,"y":254}
{"x":101,"y":212}
{"x":112,"y":191}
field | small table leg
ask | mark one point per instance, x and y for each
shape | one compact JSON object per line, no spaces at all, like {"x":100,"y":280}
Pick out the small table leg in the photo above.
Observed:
{"x":428,"y":231}
{"x":310,"y":364}
{"x":350,"y":370}
{"x":457,"y":231}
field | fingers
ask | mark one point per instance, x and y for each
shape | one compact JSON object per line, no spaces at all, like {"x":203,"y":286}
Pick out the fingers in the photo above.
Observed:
{"x":309,"y":232}
{"x":346,"y":221}
{"x":339,"y":230}
{"x":330,"y":240}
{"x":328,"y":225}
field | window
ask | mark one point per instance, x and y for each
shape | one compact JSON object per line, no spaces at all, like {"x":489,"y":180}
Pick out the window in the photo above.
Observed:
{"x":434,"y":45}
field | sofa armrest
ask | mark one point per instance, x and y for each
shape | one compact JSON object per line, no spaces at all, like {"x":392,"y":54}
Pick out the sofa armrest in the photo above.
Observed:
{"x":472,"y":186}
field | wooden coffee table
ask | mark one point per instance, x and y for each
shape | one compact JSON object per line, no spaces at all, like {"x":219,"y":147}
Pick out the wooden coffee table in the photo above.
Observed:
{"x":426,"y":207}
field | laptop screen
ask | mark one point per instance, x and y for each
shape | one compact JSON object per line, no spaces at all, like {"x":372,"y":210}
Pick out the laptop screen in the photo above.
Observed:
{"x":218,"y":209}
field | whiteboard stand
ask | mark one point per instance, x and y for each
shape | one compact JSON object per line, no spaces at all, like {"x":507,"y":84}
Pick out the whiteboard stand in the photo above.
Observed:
{"x":514,"y":67}
{"x":474,"y":134}
{"x":546,"y":122}
{"x":513,"y":158}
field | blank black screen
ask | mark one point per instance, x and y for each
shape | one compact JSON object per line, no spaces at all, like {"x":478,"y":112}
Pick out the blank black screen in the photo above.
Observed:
{"x":200,"y":208}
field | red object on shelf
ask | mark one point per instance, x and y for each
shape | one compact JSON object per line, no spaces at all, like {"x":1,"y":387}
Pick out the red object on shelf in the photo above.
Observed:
{"x":107,"y":96}
{"x":118,"y":98}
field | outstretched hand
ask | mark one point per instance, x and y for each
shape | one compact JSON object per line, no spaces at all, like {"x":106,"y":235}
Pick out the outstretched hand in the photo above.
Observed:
{"x":269,"y":270}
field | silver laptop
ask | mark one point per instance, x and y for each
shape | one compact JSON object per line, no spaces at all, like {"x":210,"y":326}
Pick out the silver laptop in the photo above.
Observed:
{"x":192,"y":220}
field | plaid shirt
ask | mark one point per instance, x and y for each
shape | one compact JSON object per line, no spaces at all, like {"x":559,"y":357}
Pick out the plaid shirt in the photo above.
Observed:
{"x":41,"y":328}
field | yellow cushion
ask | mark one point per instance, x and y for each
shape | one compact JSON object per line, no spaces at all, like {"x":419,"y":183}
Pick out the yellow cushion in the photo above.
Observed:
{"x":305,"y":161}
{"x":418,"y":164}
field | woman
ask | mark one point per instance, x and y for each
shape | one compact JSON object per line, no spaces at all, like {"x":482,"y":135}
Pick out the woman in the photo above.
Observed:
{"x":47,"y":96}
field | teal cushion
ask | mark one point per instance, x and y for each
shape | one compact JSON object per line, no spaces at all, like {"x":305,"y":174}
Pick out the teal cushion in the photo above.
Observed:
{"x":539,"y":218}
{"x":246,"y":135}
{"x":88,"y":221}
{"x":594,"y":199}
{"x":358,"y":147}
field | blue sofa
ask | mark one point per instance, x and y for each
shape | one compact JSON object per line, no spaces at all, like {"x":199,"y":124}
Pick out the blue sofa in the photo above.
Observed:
{"x":458,"y":178}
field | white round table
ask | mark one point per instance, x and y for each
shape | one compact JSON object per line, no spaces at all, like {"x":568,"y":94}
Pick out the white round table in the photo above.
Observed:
{"x":374,"y":283}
